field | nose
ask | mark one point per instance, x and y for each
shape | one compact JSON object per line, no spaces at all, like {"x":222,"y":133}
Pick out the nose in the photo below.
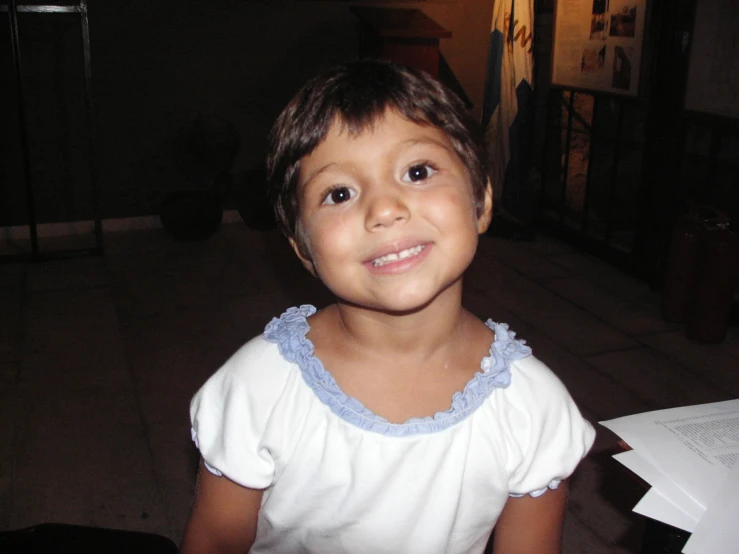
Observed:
{"x":385,"y":208}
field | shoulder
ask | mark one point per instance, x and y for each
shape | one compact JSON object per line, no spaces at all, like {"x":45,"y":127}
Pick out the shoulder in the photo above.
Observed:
{"x":245,"y":389}
{"x":532,"y":377}
{"x":242,"y":416}
{"x":257,"y":365}
{"x":544,"y":433}
{"x":267,"y":360}
{"x":534,"y":393}
{"x":257,"y":355}
{"x":532,"y":400}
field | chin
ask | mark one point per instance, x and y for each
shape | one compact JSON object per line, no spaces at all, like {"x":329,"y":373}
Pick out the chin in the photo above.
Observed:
{"x":403,"y":302}
{"x":394,"y":309}
{"x":405,"y":308}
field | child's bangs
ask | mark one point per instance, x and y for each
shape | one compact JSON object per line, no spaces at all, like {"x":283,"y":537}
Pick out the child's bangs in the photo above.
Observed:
{"x":358,"y":121}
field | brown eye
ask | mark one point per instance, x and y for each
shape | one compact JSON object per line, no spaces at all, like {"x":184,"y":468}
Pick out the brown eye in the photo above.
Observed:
{"x":418,"y":172}
{"x":339,"y":195}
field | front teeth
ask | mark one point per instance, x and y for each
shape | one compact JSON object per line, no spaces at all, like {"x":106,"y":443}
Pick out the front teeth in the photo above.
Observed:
{"x":403,"y":254}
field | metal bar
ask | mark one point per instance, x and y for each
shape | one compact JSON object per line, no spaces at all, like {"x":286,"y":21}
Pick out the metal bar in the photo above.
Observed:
{"x":614,"y":171}
{"x":576,"y":115}
{"x":586,"y":200}
{"x":13,"y":9}
{"x":91,"y":127}
{"x":41,"y":9}
{"x":25,"y":152}
{"x":566,"y":168}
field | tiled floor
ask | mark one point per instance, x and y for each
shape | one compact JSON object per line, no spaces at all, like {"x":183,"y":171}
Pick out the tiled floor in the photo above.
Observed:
{"x":99,"y":358}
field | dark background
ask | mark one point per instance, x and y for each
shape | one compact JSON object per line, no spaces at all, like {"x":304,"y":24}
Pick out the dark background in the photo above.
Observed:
{"x":158,"y":65}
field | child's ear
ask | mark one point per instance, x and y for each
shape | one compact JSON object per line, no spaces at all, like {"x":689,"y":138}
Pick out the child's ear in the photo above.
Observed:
{"x":486,"y":214}
{"x":300,"y":252}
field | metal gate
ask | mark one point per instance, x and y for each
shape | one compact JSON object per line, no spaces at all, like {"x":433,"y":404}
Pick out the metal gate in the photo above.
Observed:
{"x":591,"y":166}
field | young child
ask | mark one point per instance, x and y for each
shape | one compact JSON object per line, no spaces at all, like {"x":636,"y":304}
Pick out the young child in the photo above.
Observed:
{"x":392,"y":421}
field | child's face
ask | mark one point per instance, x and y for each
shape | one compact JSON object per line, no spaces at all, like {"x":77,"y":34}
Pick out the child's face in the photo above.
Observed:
{"x":388,"y":217}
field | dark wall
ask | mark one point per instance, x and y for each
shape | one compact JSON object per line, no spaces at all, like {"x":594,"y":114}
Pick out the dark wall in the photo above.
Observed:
{"x":156,"y":66}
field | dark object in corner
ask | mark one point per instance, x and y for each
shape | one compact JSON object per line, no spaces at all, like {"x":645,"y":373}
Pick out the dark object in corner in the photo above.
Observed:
{"x":197,"y":213}
{"x":702,"y":274}
{"x":213,"y":143}
{"x":58,"y":538}
{"x":191,"y":214}
{"x":252,"y":200}
{"x":447,"y":76}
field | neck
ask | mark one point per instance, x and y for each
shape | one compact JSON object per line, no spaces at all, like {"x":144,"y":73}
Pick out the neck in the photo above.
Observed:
{"x":421,"y":332}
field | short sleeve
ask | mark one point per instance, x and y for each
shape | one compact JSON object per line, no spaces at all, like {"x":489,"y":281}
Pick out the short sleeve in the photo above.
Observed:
{"x":545,"y":434}
{"x":232,"y":415}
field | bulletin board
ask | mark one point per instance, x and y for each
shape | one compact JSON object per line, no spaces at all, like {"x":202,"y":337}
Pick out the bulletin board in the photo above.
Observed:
{"x":598,"y":44}
{"x":713,"y":74}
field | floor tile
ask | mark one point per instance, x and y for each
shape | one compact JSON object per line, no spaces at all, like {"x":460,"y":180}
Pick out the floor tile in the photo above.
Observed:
{"x":73,"y":342}
{"x":599,"y":393}
{"x":578,"y":538}
{"x":83,"y":459}
{"x":574,"y":328}
{"x":602,"y":496}
{"x":628,"y":318}
{"x":9,"y":372}
{"x":11,"y":301}
{"x":167,"y":379}
{"x":707,"y":362}
{"x":12,"y":275}
{"x":529,"y":262}
{"x":579,"y":263}
{"x":543,"y":246}
{"x":731,"y":343}
{"x":536,"y":268}
{"x":176,"y":461}
{"x":85,"y":272}
{"x":485,"y":307}
{"x":174,"y":327}
{"x":662,"y":382}
{"x":628,"y":288}
{"x":9,"y":417}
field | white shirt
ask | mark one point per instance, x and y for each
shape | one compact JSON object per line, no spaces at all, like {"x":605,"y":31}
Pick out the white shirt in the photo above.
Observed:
{"x":339,"y":478}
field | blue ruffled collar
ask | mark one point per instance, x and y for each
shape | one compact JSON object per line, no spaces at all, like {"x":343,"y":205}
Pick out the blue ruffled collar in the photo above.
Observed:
{"x":289,"y":333}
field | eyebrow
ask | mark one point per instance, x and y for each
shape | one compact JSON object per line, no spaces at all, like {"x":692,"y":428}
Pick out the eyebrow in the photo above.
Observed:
{"x":315,"y":174}
{"x":426,"y":140}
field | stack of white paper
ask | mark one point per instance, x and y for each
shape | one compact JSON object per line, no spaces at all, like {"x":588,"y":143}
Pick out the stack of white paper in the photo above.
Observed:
{"x":688,"y":456}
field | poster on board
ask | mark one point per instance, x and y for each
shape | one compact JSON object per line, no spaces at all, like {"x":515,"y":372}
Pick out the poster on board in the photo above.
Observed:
{"x":598,"y":44}
{"x":713,"y":74}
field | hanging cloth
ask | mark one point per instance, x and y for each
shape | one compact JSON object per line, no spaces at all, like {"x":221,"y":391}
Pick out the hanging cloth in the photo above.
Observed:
{"x":507,"y":104}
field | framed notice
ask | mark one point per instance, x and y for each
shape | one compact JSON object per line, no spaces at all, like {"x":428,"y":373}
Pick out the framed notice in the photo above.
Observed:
{"x":598,"y":44}
{"x":713,"y":74}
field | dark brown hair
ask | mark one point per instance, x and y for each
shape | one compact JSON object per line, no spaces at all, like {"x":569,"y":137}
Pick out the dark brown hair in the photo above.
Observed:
{"x":358,"y":94}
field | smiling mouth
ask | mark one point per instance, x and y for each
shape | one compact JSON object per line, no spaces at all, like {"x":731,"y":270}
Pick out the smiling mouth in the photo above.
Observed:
{"x":402,"y":255}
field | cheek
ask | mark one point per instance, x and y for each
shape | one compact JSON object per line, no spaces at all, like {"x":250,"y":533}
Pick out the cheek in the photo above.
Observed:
{"x":327,"y":237}
{"x":456,"y":207}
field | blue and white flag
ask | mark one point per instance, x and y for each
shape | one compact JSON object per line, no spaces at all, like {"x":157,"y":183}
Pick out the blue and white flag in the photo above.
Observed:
{"x":508,"y":95}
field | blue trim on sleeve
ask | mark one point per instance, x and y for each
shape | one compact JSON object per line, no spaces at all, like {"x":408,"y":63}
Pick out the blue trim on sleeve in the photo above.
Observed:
{"x":553,"y":484}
